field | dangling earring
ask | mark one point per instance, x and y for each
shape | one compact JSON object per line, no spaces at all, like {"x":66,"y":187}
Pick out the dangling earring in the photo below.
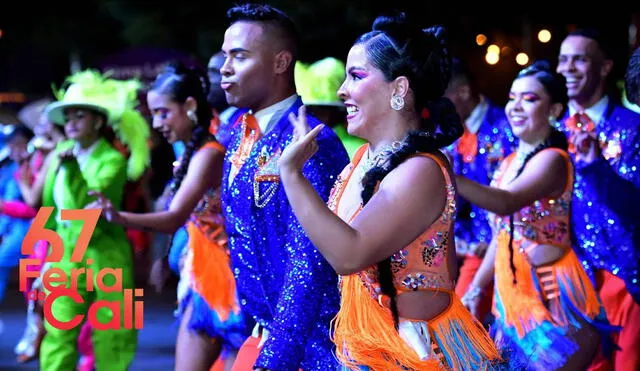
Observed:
{"x":552,"y":120}
{"x":192,"y":116}
{"x":397,"y":102}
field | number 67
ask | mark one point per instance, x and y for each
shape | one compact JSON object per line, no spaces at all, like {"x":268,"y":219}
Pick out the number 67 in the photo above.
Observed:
{"x":38,"y":232}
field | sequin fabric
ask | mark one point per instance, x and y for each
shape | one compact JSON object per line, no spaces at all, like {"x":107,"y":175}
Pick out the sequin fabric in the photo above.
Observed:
{"x":546,"y":221}
{"x":208,"y":217}
{"x":495,"y":142}
{"x":283,"y":281}
{"x":422,"y":265}
{"x":606,"y":216}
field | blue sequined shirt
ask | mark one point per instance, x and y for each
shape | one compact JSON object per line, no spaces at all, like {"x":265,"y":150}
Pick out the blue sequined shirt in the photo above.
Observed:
{"x":283,"y":282}
{"x":495,"y":142}
{"x":606,"y":203}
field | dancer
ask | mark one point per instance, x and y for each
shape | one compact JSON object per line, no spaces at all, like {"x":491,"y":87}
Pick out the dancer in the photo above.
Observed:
{"x":210,"y":313}
{"x":544,"y":303}
{"x":89,"y":109}
{"x":284,"y":284}
{"x":388,"y":230}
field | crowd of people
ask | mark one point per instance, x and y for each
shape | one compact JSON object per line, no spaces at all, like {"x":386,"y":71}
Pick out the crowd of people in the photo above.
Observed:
{"x":375,"y":214}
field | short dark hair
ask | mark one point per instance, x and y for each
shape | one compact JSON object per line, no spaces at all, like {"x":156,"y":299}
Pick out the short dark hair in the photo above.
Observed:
{"x":277,"y":22}
{"x":597,"y":36}
{"x":632,"y":78}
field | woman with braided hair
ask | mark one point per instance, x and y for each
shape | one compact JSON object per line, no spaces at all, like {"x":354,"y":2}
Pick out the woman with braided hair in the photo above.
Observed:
{"x":210,"y":318}
{"x":544,"y":302}
{"x":387,"y":230}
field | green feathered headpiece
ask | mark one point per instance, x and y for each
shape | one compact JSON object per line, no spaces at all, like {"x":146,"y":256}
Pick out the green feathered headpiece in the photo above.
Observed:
{"x":117,"y":100}
{"x":319,"y":82}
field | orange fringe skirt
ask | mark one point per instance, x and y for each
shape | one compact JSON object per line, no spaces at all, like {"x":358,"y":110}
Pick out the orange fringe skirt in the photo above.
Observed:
{"x":366,"y":338}
{"x":212,"y":275}
{"x":534,"y":316}
{"x":536,"y":297}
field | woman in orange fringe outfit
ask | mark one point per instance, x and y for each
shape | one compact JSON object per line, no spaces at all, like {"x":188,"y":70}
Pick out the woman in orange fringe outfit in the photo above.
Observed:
{"x":210,"y":317}
{"x":388,"y":228}
{"x":544,"y":303}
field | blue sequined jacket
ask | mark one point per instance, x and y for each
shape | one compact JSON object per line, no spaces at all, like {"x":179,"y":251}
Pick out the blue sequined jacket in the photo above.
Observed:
{"x":495,"y":142}
{"x":606,"y":203}
{"x":283,"y":282}
{"x":12,"y":230}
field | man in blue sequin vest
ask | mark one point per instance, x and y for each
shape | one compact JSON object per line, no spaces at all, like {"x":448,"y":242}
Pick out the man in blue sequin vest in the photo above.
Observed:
{"x":605,"y":142}
{"x":283,"y":282}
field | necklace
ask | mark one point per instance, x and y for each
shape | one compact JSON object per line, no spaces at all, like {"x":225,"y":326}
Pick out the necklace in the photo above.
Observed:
{"x":521,"y":154}
{"x":381,"y":157}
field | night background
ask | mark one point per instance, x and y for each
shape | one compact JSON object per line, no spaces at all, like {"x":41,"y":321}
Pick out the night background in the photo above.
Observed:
{"x":41,"y":41}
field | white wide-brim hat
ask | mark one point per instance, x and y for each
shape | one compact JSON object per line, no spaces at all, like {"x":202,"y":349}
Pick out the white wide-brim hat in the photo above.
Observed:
{"x":55,"y":110}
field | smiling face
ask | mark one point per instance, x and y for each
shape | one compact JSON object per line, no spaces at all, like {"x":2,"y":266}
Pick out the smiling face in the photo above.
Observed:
{"x":529,"y":108}
{"x":170,"y":118}
{"x":584,"y":67}
{"x":365,"y":92}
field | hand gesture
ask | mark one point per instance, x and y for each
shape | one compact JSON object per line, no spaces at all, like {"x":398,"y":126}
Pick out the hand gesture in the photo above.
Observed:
{"x":471,"y":300}
{"x":66,"y":155}
{"x":302,"y":146}
{"x":108,"y":211}
{"x":587,"y":146}
{"x":47,"y":145}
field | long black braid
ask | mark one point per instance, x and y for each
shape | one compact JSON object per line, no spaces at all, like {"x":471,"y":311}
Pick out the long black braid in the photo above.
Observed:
{"x":397,"y":49}
{"x":556,"y":139}
{"x":554,"y":85}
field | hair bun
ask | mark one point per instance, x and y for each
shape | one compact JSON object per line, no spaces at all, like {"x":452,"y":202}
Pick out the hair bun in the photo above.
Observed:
{"x":436,"y":43}
{"x":439,"y":35}
{"x":397,"y":26}
{"x":176,"y":68}
{"x":542,"y":65}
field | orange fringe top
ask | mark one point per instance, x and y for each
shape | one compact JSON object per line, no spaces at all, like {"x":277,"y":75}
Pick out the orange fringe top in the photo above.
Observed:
{"x":364,"y":330}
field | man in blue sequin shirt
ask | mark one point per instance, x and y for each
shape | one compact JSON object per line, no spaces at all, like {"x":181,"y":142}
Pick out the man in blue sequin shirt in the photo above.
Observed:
{"x":605,"y":141}
{"x":283,"y":282}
